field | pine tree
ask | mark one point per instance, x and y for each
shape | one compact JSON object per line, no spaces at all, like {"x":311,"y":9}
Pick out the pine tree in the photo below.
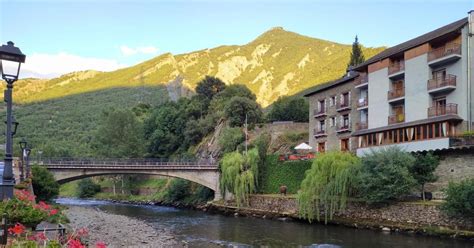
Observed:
{"x":357,"y":56}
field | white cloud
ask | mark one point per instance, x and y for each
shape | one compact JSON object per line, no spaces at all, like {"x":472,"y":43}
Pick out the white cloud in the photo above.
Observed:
{"x":53,"y":65}
{"x":129,"y":51}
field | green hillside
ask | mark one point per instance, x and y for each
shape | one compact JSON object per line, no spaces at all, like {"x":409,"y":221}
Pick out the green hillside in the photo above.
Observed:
{"x":63,"y":112}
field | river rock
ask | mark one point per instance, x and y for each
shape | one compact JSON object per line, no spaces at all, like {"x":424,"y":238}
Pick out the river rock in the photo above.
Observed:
{"x":385,"y":229}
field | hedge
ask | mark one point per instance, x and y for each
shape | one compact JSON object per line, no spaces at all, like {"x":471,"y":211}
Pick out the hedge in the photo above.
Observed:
{"x":277,"y":173}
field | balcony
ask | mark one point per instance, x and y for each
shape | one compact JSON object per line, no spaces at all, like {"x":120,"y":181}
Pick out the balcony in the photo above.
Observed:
{"x":444,"y":55}
{"x":396,"y":95}
{"x":343,"y":128}
{"x":363,"y":103}
{"x":448,"y":109}
{"x":396,"y":70}
{"x":441,"y":85}
{"x":319,"y":133}
{"x":319,"y":113}
{"x":362,"y":125}
{"x":362,"y":81}
{"x":396,"y":118}
{"x":343,"y":106}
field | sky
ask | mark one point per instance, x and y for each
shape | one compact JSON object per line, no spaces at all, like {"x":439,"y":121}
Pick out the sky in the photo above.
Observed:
{"x":60,"y":36}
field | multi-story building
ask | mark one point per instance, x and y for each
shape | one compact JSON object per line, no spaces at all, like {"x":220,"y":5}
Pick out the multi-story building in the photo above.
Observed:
{"x":332,"y":108}
{"x":421,"y":91}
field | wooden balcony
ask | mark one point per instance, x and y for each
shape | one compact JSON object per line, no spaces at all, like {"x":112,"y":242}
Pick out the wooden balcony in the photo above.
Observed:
{"x":361,"y":125}
{"x":448,"y":109}
{"x":445,"y":54}
{"x":396,"y":118}
{"x":343,"y":128}
{"x":396,"y":69}
{"x":361,"y":81}
{"x":395,"y":95}
{"x":319,"y":113}
{"x":438,"y":85}
{"x":319,"y":133}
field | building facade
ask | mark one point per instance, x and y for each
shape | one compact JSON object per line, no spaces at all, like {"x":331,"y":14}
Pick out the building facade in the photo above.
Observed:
{"x":421,"y":91}
{"x":332,"y":109}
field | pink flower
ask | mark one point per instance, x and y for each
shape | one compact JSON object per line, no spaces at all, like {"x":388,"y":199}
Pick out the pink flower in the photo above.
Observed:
{"x":24,"y":195}
{"x":53,"y":212}
{"x":82,"y":232}
{"x":40,"y":236}
{"x":74,"y":243}
{"x":42,"y":205}
{"x":100,"y":244}
{"x":17,"y":229}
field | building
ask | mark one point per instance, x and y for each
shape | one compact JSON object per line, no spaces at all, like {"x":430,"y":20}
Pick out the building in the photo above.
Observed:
{"x":418,"y":94}
{"x":332,"y":108}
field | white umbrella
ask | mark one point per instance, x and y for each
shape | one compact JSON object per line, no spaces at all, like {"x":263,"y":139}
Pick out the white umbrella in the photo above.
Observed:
{"x":303,"y":146}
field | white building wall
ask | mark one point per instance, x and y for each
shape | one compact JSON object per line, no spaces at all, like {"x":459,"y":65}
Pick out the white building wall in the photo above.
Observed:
{"x":417,"y":99}
{"x":378,"y":105}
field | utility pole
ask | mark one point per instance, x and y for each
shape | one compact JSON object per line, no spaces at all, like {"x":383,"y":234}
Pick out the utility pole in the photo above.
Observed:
{"x":246,"y":133}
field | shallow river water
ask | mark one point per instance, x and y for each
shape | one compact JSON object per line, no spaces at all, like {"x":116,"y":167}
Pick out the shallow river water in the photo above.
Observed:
{"x":200,"y":229}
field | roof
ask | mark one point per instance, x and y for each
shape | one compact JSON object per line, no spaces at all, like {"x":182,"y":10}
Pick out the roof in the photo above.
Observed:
{"x":452,"y":27}
{"x":330,"y":84}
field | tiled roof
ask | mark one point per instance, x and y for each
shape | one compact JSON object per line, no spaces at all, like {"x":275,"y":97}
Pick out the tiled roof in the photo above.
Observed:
{"x":415,"y":42}
{"x":330,"y":84}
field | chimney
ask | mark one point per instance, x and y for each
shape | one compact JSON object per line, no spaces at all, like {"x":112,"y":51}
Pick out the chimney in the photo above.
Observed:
{"x":350,"y":71}
{"x":471,"y":22}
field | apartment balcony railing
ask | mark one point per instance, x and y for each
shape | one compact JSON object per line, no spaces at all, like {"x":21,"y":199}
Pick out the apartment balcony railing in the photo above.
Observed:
{"x":444,"y":51}
{"x":362,"y":79}
{"x":319,"y":113}
{"x":449,"y":82}
{"x":343,"y":128}
{"x":448,"y":109}
{"x":363,"y":102}
{"x":343,"y":106}
{"x":396,"y":67}
{"x":396,"y":93}
{"x":361,"y":125}
{"x":396,"y":118}
{"x":319,"y":133}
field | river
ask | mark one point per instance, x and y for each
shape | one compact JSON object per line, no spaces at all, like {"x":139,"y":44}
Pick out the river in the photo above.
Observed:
{"x":200,"y":229}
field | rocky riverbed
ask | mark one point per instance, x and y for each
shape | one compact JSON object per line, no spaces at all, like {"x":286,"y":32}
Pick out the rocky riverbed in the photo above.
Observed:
{"x":117,"y":230}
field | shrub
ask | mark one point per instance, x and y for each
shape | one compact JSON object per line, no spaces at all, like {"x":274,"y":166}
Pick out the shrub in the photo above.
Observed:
{"x":289,"y":108}
{"x":460,"y":199}
{"x":87,"y":188}
{"x":423,"y":170}
{"x":327,"y":184}
{"x":178,"y":190}
{"x":385,"y":175}
{"x":45,"y":186}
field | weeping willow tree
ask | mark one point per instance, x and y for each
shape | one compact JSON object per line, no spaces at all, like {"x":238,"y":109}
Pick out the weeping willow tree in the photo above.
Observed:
{"x":239,"y":175}
{"x":327,"y":185}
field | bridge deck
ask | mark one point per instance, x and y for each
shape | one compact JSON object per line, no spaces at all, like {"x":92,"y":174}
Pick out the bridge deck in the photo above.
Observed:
{"x":127,"y":164}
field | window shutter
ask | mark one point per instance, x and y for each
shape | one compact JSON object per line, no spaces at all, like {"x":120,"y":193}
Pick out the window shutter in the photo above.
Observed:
{"x":348,"y":103}
{"x":325,"y":105}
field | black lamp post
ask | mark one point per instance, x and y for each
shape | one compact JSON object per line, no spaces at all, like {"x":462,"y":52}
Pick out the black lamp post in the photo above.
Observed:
{"x":23,"y":145}
{"x":10,"y":61}
{"x":27,"y":161}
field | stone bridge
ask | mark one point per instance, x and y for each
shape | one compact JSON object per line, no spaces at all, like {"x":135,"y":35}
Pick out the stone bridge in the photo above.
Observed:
{"x":203,"y":172}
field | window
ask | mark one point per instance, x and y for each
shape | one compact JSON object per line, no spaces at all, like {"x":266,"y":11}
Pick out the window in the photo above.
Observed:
{"x":333,"y":100}
{"x":333,"y":121}
{"x":321,"y":147}
{"x":345,"y":145}
{"x":322,"y":126}
{"x":345,"y":120}
{"x":322,"y":106}
{"x":345,"y":99}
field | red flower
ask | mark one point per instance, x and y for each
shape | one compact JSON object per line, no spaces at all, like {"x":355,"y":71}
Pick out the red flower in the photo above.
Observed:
{"x":17,"y":229}
{"x":42,"y":205}
{"x":74,"y":243}
{"x":100,"y":244}
{"x":40,"y":236}
{"x":82,"y":232}
{"x":24,"y":195}
{"x":53,"y":212}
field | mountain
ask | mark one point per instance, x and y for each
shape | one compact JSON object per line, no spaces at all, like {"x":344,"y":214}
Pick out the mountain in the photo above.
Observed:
{"x":276,"y":63}
{"x":59,"y":116}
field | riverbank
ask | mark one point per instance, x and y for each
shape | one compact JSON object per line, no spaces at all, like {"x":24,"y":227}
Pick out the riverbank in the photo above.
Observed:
{"x":118,"y":230}
{"x":407,"y":217}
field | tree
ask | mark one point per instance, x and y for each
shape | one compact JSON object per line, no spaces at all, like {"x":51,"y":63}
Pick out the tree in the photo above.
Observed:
{"x":220,"y":100}
{"x":120,"y":135}
{"x":460,"y":199}
{"x":357,"y":57}
{"x":423,"y":170}
{"x":289,"y":108}
{"x":238,"y":108}
{"x":385,"y":175}
{"x":230,"y":139}
{"x":210,"y":86}
{"x":327,"y":184}
{"x":87,"y":188}
{"x":239,"y":175}
{"x":45,"y":186}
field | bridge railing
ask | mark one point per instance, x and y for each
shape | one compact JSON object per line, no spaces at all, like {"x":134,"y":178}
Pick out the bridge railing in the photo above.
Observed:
{"x":124,"y":162}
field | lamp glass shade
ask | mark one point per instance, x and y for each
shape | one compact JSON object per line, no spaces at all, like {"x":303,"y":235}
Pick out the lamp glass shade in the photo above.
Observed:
{"x":10,"y":69}
{"x":23,"y":144}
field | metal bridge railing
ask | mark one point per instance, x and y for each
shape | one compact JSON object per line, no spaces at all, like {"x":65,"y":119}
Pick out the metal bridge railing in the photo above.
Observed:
{"x":125,"y":162}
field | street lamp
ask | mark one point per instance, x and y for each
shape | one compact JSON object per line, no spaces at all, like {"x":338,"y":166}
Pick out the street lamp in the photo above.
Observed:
{"x":10,"y":62}
{"x":23,"y":145}
{"x":27,"y":161}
